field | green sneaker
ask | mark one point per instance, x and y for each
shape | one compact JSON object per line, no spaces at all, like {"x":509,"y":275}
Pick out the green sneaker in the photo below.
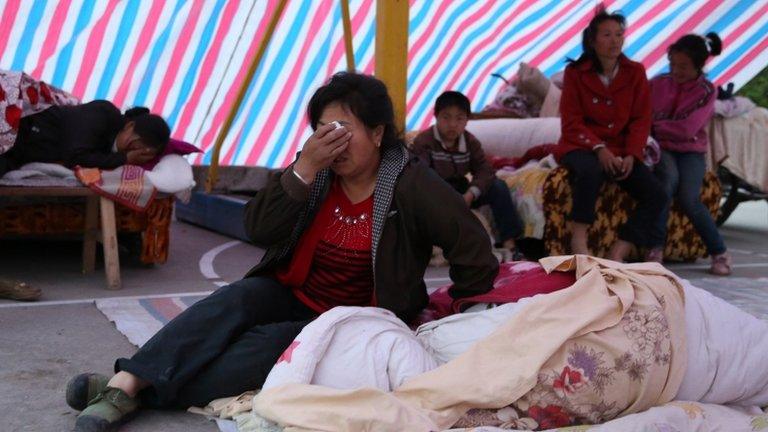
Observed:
{"x":106,"y":411}
{"x":83,"y":388}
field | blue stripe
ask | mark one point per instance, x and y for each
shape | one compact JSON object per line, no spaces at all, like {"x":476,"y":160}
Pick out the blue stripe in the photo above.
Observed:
{"x":490,"y":52}
{"x":738,"y":53}
{"x":653,"y":31}
{"x":62,"y":63}
{"x":147,"y":305}
{"x":154,"y":58}
{"x":442,"y":33}
{"x":367,"y":41}
{"x":197,"y":62}
{"x":191,"y":299}
{"x":31,"y":27}
{"x":506,"y":69}
{"x":732,"y":14}
{"x":276,"y":69}
{"x":574,"y":52}
{"x":457,"y":54}
{"x":123,"y":32}
{"x":415,"y":22}
{"x":311,"y":77}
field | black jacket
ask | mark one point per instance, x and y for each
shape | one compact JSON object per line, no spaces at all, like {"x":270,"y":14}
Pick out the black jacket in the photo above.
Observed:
{"x":72,"y":135}
{"x":416,"y":209}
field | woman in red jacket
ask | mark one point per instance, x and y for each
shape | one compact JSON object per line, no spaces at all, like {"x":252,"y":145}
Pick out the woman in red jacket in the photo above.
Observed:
{"x":606,"y":120}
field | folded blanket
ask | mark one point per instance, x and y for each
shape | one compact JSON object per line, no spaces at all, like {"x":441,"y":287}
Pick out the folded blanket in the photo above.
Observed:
{"x":381,"y":350}
{"x":552,"y":363}
{"x":516,"y":280}
{"x":125,"y":185}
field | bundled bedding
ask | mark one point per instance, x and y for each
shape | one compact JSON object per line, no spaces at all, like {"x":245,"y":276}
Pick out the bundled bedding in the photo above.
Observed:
{"x":625,"y":344}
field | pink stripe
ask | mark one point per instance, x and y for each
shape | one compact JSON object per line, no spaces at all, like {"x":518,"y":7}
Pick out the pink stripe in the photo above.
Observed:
{"x":745,"y":60}
{"x":9,"y":19}
{"x":206,"y":70}
{"x":92,"y":49}
{"x":357,"y":22}
{"x":166,"y":307}
{"x":371,"y":67}
{"x":438,"y":64}
{"x":229,"y":99}
{"x":145,"y":37}
{"x":52,"y":38}
{"x":177,"y":57}
{"x":558,"y":43}
{"x":503,"y":25}
{"x":229,"y":155}
{"x":287,"y":87}
{"x":648,"y":16}
{"x":517,"y":44}
{"x":743,"y":27}
{"x":436,"y":19}
{"x":686,"y":27}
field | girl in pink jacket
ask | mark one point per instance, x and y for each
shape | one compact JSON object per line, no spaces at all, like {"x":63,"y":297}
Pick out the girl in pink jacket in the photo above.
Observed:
{"x":683,"y":102}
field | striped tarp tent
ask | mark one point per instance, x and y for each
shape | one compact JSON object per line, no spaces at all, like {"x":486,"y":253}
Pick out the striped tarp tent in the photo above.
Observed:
{"x":186,"y":59}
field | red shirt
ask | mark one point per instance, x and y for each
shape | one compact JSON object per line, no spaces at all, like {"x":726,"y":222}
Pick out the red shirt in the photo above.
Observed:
{"x":332,"y":265}
{"x":618,"y":115}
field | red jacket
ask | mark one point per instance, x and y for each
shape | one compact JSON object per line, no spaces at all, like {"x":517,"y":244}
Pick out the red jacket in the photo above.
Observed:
{"x":618,"y":115}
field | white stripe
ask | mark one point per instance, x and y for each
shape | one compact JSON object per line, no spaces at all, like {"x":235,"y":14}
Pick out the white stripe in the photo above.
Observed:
{"x":22,"y":16}
{"x":206,"y":261}
{"x":104,"y":51}
{"x":95,"y":299}
{"x":706,"y":266}
{"x":67,"y":30}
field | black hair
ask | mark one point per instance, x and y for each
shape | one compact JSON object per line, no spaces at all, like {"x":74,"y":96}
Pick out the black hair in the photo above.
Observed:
{"x":365,"y":96}
{"x":452,"y":99}
{"x":589,"y":35}
{"x":698,"y":48}
{"x":152,"y":128}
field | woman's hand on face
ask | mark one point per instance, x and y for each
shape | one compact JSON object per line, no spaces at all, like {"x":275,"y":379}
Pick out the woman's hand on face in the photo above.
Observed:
{"x":626,"y":168}
{"x":609,"y":162}
{"x":320,"y":149}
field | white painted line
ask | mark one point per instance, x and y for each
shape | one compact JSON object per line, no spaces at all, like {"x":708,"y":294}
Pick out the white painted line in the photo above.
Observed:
{"x":206,"y":261}
{"x":93,"y":300}
{"x":706,"y":266}
{"x":221,"y":283}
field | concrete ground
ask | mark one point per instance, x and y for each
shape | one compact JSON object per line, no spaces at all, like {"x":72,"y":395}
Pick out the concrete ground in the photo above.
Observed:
{"x":43,"y":344}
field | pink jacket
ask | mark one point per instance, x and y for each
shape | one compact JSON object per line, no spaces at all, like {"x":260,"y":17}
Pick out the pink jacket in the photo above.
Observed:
{"x":681,"y":113}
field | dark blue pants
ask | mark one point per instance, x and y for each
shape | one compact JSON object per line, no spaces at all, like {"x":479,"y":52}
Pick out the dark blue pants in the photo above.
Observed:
{"x":682,"y":175}
{"x":587,"y":176}
{"x":223,"y":345}
{"x":504,"y":212}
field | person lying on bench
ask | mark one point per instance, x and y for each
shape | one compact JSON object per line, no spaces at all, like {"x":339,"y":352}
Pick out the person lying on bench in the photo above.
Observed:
{"x":91,"y":135}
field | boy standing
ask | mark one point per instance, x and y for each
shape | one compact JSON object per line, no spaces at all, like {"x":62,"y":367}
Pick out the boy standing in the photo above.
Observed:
{"x":453,"y":153}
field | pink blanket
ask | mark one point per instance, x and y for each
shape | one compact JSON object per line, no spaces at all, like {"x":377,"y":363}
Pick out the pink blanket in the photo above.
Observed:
{"x":516,"y":280}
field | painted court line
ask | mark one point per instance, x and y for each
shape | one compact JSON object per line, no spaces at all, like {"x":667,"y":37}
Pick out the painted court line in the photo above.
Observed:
{"x":93,"y":300}
{"x":206,"y":261}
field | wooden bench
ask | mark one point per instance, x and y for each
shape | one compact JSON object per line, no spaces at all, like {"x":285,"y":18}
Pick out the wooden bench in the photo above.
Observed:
{"x":95,"y":206}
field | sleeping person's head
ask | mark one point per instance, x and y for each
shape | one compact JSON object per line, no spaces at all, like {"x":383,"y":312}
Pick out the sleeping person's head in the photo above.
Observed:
{"x":452,"y":110}
{"x":143,"y":137}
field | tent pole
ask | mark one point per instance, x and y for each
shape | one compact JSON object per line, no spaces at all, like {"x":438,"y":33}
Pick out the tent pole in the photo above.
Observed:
{"x":348,"y":35}
{"x":392,"y":52}
{"x":214,"y":169}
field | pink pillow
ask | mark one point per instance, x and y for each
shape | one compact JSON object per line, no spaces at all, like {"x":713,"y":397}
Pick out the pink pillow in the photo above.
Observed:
{"x":174,"y":147}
